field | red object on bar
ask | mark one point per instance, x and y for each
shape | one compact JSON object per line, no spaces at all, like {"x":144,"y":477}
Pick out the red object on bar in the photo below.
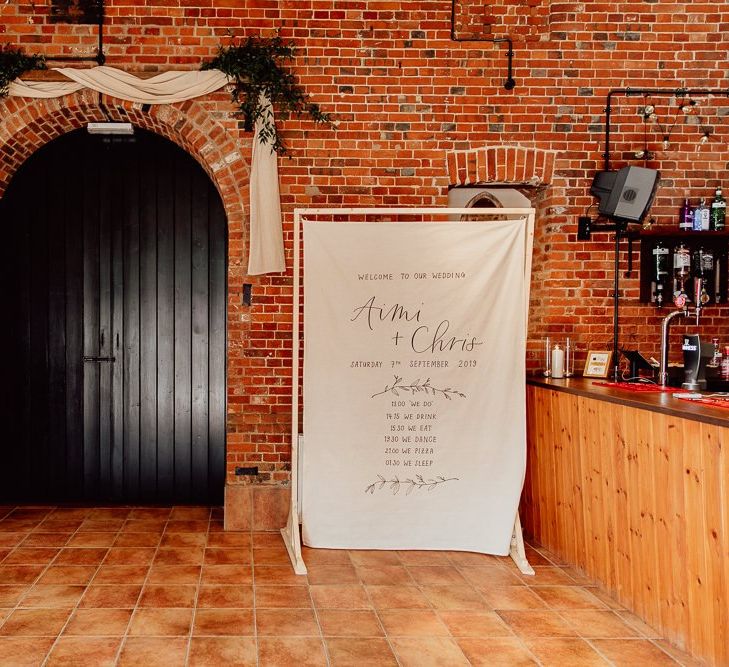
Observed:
{"x":713,"y":402}
{"x":635,"y":386}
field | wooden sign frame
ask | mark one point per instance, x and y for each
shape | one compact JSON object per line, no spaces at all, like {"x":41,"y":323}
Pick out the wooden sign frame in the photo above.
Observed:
{"x":597,"y":364}
{"x":291,"y":532}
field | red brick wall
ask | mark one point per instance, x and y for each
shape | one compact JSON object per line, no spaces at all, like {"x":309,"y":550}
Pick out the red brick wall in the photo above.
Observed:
{"x":405,"y":96}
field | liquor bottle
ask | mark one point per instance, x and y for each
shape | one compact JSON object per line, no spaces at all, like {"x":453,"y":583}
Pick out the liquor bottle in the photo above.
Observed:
{"x":681,"y":268}
{"x":716,"y":358}
{"x":701,"y":217}
{"x":704,"y":273}
{"x":660,"y":273}
{"x":725,"y":363}
{"x":686,"y":216}
{"x":718,"y":211}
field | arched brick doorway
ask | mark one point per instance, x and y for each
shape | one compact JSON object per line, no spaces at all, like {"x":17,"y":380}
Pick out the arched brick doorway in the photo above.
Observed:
{"x":115,"y":329}
{"x":27,"y":125}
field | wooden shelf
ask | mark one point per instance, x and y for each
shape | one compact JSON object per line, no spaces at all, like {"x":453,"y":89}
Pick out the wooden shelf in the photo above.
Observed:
{"x":676,"y":233}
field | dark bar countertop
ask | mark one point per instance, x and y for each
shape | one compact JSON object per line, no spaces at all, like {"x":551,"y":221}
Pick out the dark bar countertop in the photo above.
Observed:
{"x":663,"y":402}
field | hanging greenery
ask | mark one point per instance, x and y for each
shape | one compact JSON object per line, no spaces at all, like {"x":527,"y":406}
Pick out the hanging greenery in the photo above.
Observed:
{"x":13,"y":62}
{"x":256,"y":65}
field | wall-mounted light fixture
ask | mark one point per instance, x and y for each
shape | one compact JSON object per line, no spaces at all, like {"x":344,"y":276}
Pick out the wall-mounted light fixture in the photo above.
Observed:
{"x":124,"y":129}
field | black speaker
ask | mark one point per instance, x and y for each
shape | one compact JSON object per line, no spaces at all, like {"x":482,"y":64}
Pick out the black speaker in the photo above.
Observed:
{"x":626,"y":194}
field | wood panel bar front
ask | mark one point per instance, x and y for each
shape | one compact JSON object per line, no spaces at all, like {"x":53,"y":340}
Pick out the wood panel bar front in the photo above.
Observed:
{"x":637,"y":498}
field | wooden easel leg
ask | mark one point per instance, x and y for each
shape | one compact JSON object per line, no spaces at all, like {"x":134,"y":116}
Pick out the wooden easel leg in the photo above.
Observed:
{"x":292,"y":540}
{"x":517,"y":552}
{"x":291,"y":533}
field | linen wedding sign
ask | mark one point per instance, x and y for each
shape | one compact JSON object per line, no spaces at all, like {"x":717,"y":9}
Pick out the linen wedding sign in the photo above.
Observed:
{"x":414,"y":393}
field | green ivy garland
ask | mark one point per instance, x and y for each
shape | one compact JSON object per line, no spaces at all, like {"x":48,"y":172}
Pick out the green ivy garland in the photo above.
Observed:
{"x":13,"y":62}
{"x":256,"y":65}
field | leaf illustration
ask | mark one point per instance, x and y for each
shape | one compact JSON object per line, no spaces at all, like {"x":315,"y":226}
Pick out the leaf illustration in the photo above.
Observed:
{"x":416,"y":387}
{"x":395,"y":484}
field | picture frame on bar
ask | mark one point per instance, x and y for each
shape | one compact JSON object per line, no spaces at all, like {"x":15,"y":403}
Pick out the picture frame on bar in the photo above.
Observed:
{"x":597,"y":364}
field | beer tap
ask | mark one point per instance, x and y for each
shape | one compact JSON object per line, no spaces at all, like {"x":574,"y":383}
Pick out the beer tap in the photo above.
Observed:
{"x":665,"y":324}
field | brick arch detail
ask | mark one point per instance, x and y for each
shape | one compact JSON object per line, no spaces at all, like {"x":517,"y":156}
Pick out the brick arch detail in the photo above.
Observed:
{"x":501,"y":164}
{"x":28,"y":124}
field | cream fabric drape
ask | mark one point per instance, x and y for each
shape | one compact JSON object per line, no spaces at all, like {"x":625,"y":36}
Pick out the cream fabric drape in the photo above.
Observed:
{"x":44,"y":89}
{"x":164,"y":88}
{"x":265,"y":250}
{"x":414,"y":395}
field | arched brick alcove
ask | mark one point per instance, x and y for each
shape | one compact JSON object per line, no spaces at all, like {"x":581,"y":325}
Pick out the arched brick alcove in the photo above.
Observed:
{"x":501,"y":164}
{"x":539,"y":174}
{"x":28,"y":124}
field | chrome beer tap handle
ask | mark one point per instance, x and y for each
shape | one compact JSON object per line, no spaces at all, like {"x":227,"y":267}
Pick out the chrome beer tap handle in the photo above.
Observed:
{"x":663,"y":371}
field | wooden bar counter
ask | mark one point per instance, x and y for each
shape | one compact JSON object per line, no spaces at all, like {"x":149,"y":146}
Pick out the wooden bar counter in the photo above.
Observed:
{"x":633,"y":490}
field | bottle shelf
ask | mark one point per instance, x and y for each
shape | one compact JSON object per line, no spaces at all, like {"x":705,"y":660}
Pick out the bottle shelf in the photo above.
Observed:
{"x":667,"y":232}
{"x":715,"y":242}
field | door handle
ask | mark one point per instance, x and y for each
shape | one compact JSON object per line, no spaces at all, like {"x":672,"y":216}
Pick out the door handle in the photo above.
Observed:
{"x":108,"y":359}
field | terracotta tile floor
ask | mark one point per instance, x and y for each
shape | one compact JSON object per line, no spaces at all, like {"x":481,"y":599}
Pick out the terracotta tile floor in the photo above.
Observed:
{"x":151,"y":586}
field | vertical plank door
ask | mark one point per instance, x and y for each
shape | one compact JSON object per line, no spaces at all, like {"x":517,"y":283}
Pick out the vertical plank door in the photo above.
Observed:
{"x":114,"y":290}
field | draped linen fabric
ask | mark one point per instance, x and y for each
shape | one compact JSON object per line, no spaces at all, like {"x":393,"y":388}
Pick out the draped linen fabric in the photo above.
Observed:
{"x":265,"y":249}
{"x":164,"y":88}
{"x":42,"y":89}
{"x":414,"y":395}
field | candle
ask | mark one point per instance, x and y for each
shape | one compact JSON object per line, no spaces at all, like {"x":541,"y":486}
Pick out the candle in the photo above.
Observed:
{"x":557,"y":362}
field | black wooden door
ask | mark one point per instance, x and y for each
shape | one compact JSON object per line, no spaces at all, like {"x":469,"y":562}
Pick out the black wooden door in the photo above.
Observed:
{"x":113,"y":271}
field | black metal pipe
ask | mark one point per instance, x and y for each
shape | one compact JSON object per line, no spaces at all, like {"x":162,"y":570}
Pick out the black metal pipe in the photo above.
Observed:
{"x":616,"y":308}
{"x":673,"y":92}
{"x":509,"y":82}
{"x":618,"y":228}
{"x":100,"y":57}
